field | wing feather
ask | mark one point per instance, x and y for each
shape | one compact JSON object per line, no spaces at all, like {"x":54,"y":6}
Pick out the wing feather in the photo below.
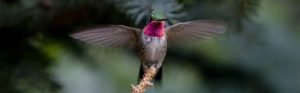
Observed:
{"x":194,"y":30}
{"x":115,"y":36}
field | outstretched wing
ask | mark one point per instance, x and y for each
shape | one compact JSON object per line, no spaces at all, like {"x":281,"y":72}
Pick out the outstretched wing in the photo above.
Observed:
{"x":115,"y":36}
{"x":194,"y":30}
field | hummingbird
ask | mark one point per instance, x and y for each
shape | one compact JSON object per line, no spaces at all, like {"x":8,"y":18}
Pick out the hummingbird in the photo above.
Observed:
{"x":151,"y":42}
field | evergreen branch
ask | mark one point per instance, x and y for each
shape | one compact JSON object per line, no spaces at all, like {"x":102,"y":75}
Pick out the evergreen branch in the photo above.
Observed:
{"x":144,"y":82}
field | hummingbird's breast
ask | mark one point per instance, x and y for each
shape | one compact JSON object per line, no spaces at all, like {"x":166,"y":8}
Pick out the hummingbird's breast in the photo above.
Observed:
{"x":152,"y":50}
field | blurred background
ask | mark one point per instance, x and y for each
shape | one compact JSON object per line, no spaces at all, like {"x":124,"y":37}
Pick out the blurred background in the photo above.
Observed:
{"x":259,"y":53}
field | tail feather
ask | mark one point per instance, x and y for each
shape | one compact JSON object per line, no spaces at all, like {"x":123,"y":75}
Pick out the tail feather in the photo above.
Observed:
{"x":158,"y":77}
{"x":141,"y":73}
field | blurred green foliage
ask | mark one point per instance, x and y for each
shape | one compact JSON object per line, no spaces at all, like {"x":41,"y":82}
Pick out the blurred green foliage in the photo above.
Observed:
{"x":258,"y":54}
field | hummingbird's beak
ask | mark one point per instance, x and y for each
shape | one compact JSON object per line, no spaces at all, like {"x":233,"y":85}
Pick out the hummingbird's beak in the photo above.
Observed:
{"x":163,"y":19}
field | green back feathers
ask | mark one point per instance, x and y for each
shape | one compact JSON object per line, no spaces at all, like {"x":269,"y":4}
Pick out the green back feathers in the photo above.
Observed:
{"x":157,"y":15}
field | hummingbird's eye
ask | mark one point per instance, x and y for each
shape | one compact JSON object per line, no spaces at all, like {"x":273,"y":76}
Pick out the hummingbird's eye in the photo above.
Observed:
{"x":150,"y":19}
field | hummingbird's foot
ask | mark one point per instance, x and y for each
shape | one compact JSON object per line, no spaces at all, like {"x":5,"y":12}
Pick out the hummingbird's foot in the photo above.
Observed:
{"x":153,"y":64}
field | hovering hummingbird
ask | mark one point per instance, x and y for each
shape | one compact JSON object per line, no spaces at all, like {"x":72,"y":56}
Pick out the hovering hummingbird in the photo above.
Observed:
{"x":151,"y":42}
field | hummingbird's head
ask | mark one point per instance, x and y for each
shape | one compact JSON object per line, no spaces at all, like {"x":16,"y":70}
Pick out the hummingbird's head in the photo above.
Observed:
{"x":157,"y":15}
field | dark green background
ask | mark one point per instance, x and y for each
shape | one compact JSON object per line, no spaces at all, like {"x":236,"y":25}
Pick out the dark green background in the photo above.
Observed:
{"x":259,"y":53}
